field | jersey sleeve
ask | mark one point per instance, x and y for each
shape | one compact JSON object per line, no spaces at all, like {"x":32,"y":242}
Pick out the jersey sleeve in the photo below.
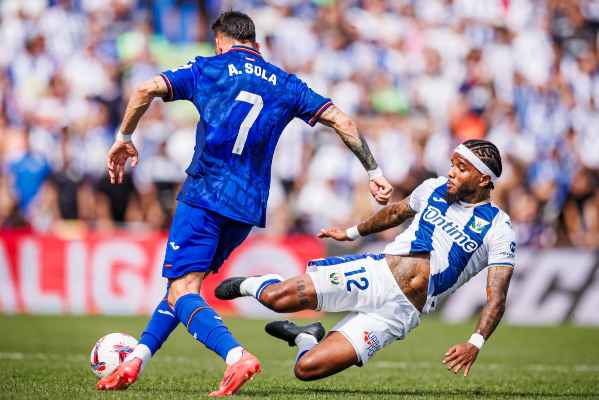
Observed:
{"x":502,"y":244}
{"x":420,"y":195}
{"x":181,"y":81}
{"x":309,"y":104}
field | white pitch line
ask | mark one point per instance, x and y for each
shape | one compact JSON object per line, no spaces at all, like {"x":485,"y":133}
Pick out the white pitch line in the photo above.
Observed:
{"x":492,"y":366}
{"x":40,"y":356}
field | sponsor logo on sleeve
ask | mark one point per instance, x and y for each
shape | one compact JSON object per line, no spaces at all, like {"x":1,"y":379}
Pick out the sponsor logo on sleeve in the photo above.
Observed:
{"x":511,"y":252}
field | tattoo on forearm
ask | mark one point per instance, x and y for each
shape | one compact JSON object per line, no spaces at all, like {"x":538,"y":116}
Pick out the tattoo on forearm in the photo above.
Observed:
{"x":365,"y":155}
{"x":348,"y":132}
{"x":489,"y":319}
{"x":359,"y":146}
{"x":498,"y":282}
{"x":392,"y":215}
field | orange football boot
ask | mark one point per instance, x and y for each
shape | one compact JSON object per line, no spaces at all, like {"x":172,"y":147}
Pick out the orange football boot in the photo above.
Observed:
{"x":237,"y":374}
{"x":124,"y":376}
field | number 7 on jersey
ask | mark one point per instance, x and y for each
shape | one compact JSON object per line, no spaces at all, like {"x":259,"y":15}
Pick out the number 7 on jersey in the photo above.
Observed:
{"x":256,"y":101}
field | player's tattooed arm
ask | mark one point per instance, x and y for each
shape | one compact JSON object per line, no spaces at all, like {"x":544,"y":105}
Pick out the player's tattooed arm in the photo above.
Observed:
{"x":346,"y":128}
{"x":140,"y":101}
{"x":392,"y":215}
{"x":464,"y":355}
{"x":348,"y":132}
{"x":498,"y":282}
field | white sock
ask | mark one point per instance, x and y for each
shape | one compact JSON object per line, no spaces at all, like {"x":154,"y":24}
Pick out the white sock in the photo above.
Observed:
{"x":234,"y":355}
{"x":304,"y":342}
{"x":142,"y":352}
{"x":254,"y":285}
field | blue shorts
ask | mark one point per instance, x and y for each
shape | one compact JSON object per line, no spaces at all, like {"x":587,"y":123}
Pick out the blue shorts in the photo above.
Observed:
{"x":200,"y":240}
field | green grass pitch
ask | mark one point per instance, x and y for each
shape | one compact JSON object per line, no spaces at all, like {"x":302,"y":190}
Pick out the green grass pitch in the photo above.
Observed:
{"x":47,"y":357}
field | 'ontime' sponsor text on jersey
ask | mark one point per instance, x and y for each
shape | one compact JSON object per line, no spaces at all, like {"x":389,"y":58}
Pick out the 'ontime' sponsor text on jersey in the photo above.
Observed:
{"x":244,"y":104}
{"x":462,"y":239}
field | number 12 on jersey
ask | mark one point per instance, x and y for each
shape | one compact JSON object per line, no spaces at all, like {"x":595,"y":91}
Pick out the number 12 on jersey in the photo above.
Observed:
{"x":257,"y":103}
{"x":361,"y":284}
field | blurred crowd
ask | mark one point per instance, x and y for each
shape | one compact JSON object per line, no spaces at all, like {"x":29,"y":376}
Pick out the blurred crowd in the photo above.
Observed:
{"x":418,"y":76}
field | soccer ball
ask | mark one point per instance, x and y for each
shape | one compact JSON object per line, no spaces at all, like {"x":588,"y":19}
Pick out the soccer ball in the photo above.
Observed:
{"x":109,"y":352}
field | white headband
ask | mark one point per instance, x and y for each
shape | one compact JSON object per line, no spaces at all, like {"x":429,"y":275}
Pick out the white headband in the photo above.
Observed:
{"x":475,"y":161}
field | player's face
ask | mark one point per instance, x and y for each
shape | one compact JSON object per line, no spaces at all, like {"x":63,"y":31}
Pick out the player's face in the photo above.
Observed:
{"x":463,"y":178}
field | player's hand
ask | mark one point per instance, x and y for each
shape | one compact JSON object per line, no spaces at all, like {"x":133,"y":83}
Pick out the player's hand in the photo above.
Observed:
{"x":333,"y":233}
{"x":460,"y":356}
{"x":381,"y":190}
{"x":117,"y":158}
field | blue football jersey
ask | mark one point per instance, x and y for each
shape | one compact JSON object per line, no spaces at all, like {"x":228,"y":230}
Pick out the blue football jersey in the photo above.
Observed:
{"x":244,"y":104}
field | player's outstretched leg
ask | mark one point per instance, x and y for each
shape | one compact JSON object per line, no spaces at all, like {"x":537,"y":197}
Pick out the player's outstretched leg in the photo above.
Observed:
{"x":239,"y":286}
{"x":207,"y":327}
{"x":304,"y":337}
{"x":314,"y":360}
{"x":158,"y":329}
{"x":332,"y":355}
{"x":294,"y":294}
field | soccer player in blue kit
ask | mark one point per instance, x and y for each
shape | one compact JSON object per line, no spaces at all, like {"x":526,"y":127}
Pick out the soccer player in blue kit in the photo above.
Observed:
{"x":244,"y":103}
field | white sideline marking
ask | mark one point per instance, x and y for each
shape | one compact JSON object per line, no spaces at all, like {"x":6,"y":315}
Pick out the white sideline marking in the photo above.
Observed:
{"x":40,"y":356}
{"x":528,"y":367}
{"x":590,"y":368}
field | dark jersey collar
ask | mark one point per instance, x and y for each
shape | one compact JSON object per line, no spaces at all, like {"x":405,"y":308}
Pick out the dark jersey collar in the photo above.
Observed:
{"x":246,"y":49}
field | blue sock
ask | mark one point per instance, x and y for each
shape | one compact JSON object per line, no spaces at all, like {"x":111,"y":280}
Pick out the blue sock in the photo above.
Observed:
{"x":204,"y":324}
{"x":160,"y":326}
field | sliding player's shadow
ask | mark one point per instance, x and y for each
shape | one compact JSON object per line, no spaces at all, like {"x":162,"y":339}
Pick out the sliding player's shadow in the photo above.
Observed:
{"x":412,"y":393}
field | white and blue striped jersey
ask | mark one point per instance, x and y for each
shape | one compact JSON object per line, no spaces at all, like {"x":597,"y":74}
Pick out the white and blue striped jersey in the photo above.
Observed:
{"x":462,"y":238}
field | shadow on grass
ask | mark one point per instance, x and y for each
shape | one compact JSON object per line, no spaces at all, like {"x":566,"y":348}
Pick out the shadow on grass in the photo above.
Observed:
{"x":474,"y":393}
{"x":416,"y":393}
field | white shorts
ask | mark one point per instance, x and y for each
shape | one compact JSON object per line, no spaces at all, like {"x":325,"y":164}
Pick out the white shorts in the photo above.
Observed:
{"x":363,"y":284}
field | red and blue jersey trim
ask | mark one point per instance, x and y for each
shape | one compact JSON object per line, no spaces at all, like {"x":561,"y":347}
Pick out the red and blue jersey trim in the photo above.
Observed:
{"x":169,"y":96}
{"x":246,"y":49}
{"x":322,"y":109}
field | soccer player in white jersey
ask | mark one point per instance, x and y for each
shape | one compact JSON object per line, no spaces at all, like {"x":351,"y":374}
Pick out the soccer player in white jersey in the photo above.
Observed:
{"x":456,"y":233}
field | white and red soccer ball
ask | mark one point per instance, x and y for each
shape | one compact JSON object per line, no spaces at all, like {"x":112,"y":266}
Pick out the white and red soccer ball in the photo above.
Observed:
{"x":109,"y":352}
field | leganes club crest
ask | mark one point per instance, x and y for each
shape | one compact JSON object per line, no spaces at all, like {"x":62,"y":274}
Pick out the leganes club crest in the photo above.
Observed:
{"x":478,"y":225}
{"x":335,"y":278}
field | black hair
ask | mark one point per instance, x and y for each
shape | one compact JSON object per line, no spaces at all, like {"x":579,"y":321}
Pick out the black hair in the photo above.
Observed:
{"x":235,"y":25}
{"x":487,"y":152}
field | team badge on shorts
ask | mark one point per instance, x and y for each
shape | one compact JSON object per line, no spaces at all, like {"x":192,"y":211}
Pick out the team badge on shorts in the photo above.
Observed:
{"x":372,"y":342}
{"x":335,"y":278}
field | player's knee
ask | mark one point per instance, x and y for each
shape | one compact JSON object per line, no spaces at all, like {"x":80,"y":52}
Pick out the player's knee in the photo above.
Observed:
{"x":308,"y":368}
{"x":190,"y":283}
{"x":172,"y":296}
